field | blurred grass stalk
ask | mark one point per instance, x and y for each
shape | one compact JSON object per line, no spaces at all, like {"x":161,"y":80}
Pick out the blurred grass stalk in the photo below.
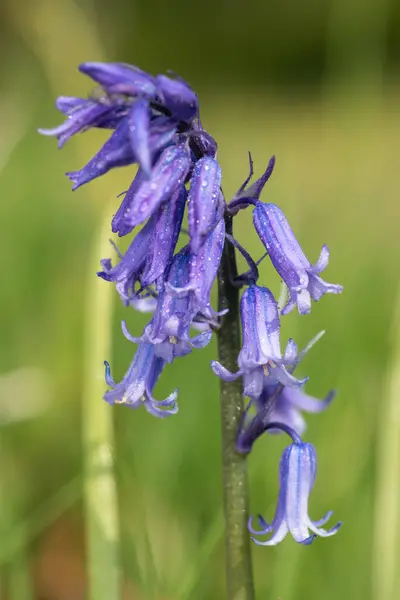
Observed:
{"x":16,"y":576}
{"x":19,"y":580}
{"x":386,"y":543}
{"x":15,"y":573}
{"x":46,"y":26}
{"x":100,"y":494}
{"x":24,"y":531}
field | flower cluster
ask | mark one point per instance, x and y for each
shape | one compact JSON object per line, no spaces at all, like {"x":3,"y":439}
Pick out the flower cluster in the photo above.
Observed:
{"x":155,"y":123}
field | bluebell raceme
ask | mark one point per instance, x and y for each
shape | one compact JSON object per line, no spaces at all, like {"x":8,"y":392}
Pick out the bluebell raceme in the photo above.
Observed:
{"x":154,"y":123}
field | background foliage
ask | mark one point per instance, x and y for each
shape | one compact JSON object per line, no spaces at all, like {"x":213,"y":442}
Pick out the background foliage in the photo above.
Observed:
{"x":314,"y":83}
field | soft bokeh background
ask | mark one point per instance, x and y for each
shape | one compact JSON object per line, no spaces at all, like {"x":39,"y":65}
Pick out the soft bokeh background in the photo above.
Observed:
{"x":315,"y":83}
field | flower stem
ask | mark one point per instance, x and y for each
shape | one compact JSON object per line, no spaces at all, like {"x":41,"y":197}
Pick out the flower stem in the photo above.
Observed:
{"x":235,"y":486}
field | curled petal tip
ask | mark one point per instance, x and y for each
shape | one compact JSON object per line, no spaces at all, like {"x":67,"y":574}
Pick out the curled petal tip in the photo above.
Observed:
{"x":308,"y":540}
{"x":202,"y":340}
{"x":72,"y":175}
{"x":108,"y":377}
{"x":128,"y":335}
{"x":329,"y":398}
{"x":223,"y":373}
{"x":324,"y":519}
{"x":322,"y":261}
{"x":44,"y":131}
{"x":265,"y":527}
{"x":326,"y":533}
{"x":260,"y":543}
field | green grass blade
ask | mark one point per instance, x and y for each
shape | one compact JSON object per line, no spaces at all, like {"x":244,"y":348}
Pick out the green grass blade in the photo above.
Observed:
{"x":386,"y":545}
{"x":46,"y":30}
{"x":20,"y":584}
{"x":100,"y":495}
{"x":17,"y":571}
{"x":25,"y":532}
{"x":193,"y":574}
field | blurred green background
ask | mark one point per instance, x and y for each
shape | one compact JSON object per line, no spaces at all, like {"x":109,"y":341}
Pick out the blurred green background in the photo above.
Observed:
{"x":315,"y":83}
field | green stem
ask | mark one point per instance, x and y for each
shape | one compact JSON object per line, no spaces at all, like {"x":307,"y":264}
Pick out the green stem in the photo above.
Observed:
{"x":235,"y":486}
{"x":101,"y":503}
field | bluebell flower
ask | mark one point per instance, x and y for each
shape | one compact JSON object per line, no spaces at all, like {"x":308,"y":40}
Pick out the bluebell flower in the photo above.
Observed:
{"x":149,"y":255}
{"x":119,"y":223}
{"x":260,"y":353}
{"x":167,"y":177}
{"x":203,"y":268}
{"x":169,"y":328}
{"x":82,"y":114}
{"x":284,"y":404}
{"x":130,"y":267}
{"x":301,"y":278}
{"x":163,"y":239}
{"x":116,"y":152}
{"x":136,"y":388}
{"x":277,"y":404}
{"x":297,"y":472}
{"x":177,"y":97}
{"x":147,"y":112}
{"x":120,"y":78}
{"x":204,"y":201}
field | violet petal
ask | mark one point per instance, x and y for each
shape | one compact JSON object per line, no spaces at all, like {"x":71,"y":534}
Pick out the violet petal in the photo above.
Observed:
{"x":167,"y":176}
{"x":178,"y":97}
{"x":139,"y":125}
{"x":289,"y":259}
{"x":120,"y":78}
{"x":116,"y":152}
{"x":168,"y":221}
{"x":203,"y":200}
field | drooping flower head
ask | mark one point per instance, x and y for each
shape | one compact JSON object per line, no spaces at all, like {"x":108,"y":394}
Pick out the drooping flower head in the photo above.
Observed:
{"x":302,"y":278}
{"x":261,"y":352}
{"x":279,"y":403}
{"x":203,"y":267}
{"x":127,"y":273}
{"x":297,"y":472}
{"x":146,"y":113}
{"x":169,"y":328}
{"x":136,"y":388}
